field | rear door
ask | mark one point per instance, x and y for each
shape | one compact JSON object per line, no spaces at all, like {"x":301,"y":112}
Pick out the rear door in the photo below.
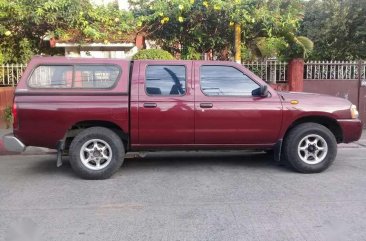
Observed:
{"x":165,"y":104}
{"x":227,"y":114}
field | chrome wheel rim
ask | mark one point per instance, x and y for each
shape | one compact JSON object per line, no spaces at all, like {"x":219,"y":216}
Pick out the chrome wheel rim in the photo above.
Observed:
{"x":96,"y":154}
{"x":312,"y":149}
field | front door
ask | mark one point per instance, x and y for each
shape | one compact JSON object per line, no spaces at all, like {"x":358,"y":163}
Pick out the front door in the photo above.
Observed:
{"x":226,"y":112}
{"x":166,"y":104}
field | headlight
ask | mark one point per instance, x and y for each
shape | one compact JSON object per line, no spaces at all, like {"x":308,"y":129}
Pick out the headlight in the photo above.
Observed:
{"x":354,"y":112}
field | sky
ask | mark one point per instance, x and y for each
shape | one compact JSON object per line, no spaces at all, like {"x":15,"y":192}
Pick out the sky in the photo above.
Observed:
{"x":123,"y":4}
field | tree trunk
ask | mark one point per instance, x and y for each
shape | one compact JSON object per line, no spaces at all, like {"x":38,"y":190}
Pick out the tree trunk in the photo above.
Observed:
{"x":238,"y":43}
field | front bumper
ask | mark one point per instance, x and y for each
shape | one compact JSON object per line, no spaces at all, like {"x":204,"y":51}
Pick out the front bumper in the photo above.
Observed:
{"x":351,"y":129}
{"x":13,"y":144}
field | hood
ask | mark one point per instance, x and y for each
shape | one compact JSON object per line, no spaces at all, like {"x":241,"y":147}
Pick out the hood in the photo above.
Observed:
{"x":317,"y":104}
{"x":313,"y":98}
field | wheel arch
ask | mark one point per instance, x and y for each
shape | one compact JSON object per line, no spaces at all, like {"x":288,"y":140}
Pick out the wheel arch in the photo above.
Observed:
{"x":77,"y":127}
{"x":325,"y":121}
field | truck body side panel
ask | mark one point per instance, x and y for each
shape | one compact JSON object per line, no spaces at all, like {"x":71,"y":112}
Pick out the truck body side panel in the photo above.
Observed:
{"x":46,"y":114}
{"x":44,"y":120}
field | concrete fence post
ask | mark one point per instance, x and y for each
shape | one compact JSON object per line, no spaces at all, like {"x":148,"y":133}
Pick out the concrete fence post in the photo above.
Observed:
{"x":296,"y":75}
{"x":140,"y":41}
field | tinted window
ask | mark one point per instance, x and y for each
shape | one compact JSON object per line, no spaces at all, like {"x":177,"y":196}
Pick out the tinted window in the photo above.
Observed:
{"x":95,"y":76}
{"x":51,"y":77}
{"x":225,"y":81}
{"x":165,"y":80}
{"x":79,"y":76}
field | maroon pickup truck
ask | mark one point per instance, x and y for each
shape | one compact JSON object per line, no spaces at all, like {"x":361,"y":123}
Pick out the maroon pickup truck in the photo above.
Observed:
{"x":97,"y":110}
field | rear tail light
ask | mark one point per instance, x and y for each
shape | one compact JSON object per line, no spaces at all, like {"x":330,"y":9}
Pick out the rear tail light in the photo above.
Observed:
{"x":15,"y":116}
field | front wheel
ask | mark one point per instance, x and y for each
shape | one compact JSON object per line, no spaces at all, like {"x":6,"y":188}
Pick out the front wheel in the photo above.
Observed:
{"x":310,"y":148}
{"x":96,"y":153}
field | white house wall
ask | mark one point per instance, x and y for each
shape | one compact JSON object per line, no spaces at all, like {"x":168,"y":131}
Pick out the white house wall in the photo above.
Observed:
{"x":125,"y":53}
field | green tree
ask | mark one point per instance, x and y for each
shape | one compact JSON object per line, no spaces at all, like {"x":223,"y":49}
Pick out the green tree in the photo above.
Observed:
{"x":153,"y":54}
{"x":198,"y":26}
{"x":338,"y":28}
{"x":268,"y":27}
{"x":25,"y":23}
{"x":99,"y":23}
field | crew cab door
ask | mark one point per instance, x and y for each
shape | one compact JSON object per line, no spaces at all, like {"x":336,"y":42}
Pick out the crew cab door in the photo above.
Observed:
{"x":165,"y":104}
{"x":226,"y":112}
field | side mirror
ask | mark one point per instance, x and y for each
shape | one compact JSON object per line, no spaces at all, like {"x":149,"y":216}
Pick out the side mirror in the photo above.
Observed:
{"x":262,"y":91}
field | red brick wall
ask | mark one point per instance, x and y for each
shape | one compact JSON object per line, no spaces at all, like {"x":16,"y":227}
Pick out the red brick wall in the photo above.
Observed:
{"x":296,"y":75}
{"x":6,"y":99}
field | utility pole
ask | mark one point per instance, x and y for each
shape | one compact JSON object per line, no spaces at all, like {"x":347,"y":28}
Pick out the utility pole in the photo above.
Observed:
{"x":237,"y":43}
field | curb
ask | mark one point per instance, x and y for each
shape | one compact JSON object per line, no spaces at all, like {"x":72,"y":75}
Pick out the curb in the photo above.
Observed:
{"x":350,"y":145}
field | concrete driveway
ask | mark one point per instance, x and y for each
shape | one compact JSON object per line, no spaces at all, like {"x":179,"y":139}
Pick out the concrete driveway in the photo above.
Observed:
{"x":184,"y":196}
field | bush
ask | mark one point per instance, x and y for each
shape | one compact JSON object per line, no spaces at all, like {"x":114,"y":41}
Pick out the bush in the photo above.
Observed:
{"x":8,"y":116}
{"x":153,"y":54}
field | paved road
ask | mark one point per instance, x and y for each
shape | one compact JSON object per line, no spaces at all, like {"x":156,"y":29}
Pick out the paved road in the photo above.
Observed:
{"x":206,"y":196}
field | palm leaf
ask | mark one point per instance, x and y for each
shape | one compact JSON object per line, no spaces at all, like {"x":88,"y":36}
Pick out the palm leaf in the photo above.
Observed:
{"x":306,"y":44}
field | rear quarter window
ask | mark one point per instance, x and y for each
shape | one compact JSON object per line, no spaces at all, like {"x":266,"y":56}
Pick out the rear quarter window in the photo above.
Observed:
{"x":95,"y":76}
{"x":74,"y":76}
{"x":51,"y":77}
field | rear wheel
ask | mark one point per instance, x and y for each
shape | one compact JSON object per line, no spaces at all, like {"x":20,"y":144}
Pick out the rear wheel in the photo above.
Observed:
{"x":310,"y":148}
{"x":96,"y":153}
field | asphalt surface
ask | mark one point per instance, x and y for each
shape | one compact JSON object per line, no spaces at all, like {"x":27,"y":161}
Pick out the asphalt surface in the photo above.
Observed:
{"x":184,"y":196}
{"x":30,"y":150}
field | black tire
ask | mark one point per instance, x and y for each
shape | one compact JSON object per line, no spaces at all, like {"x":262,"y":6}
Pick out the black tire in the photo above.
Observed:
{"x":269,"y":152}
{"x":294,"y":155}
{"x":115,"y":150}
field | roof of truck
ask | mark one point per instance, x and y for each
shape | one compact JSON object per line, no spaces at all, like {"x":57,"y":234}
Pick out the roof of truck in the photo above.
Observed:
{"x":58,"y":59}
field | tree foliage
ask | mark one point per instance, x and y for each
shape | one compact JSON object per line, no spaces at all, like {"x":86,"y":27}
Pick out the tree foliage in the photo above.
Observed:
{"x":337,"y":27}
{"x":185,"y":27}
{"x":269,"y":28}
{"x":99,"y":23}
{"x":153,"y":54}
{"x":25,"y":23}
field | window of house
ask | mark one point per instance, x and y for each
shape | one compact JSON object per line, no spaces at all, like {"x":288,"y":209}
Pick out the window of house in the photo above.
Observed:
{"x":165,"y":80}
{"x":225,"y":81}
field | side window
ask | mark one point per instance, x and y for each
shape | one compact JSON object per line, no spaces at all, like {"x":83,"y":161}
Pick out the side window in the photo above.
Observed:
{"x":225,"y":81}
{"x":78,"y":76}
{"x":165,"y":80}
{"x":51,"y":77}
{"x":95,"y":76}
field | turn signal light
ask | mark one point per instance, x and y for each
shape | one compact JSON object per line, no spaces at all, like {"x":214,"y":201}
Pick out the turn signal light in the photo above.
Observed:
{"x":354,"y":112}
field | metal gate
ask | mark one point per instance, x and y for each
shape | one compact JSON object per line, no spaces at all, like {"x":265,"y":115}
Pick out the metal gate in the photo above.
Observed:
{"x":338,"y":78}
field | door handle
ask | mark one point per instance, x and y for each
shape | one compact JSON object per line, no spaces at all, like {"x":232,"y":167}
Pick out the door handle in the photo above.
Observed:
{"x":150,"y":105}
{"x":206,"y":105}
